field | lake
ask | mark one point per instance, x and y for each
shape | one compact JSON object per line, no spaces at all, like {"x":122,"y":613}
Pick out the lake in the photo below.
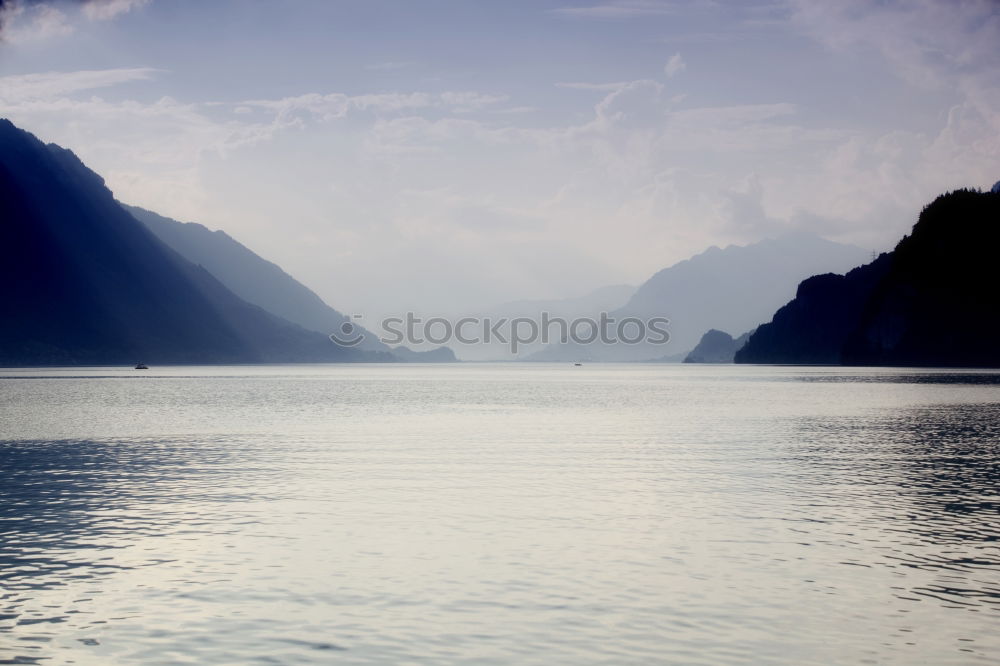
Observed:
{"x":499,"y":514}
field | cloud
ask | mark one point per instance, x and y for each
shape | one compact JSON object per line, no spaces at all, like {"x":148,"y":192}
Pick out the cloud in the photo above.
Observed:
{"x":37,"y":20}
{"x":24,"y":87}
{"x":928,"y":43}
{"x":388,"y":183}
{"x":103,"y":10}
{"x":159,"y":154}
{"x":465,"y":101}
{"x":675,"y":65}
{"x":637,"y":163}
{"x":20,"y":23}
{"x":948,"y":50}
{"x":147,"y":151}
{"x":330,"y":106}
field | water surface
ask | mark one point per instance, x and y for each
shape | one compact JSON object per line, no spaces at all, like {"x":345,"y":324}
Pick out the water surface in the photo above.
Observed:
{"x":499,"y":514}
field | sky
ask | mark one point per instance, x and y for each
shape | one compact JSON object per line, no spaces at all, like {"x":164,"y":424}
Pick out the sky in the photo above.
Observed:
{"x":446,"y":156}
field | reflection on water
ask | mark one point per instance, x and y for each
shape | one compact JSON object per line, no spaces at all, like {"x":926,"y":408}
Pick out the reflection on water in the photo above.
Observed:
{"x":930,"y":478}
{"x":911,"y":377}
{"x":75,"y":513}
{"x":499,"y":514}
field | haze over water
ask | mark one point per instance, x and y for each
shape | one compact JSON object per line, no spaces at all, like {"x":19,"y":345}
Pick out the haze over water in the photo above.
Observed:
{"x":498,"y":514}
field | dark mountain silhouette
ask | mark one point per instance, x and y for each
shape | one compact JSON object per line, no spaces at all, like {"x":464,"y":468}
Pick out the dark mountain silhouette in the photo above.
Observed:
{"x":263,"y":283}
{"x":933,"y":301}
{"x":716,"y":347}
{"x":814,"y":326}
{"x":87,"y":283}
{"x":248,"y":275}
{"x":730,"y":289}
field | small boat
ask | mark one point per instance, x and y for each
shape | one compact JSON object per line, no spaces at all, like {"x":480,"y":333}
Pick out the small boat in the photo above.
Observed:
{"x":141,"y":366}
{"x":578,"y":364}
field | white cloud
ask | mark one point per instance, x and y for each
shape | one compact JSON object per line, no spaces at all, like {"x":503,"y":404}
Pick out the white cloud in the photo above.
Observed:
{"x":30,"y":24}
{"x":879,"y":179}
{"x":929,"y":43}
{"x":103,"y":10}
{"x":464,"y":102}
{"x":24,"y":22}
{"x":147,"y":151}
{"x":46,"y":85}
{"x":624,"y":166}
{"x":675,"y":65}
{"x":291,"y":110}
{"x":478,"y":203}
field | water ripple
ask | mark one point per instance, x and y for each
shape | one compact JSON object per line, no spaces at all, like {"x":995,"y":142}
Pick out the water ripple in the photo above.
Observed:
{"x":495,"y":515}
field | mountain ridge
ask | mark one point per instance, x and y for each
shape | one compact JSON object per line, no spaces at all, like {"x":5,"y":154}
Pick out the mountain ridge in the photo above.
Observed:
{"x":91,"y":285}
{"x":932,"y":301}
{"x":264,"y":283}
{"x":728,"y":289}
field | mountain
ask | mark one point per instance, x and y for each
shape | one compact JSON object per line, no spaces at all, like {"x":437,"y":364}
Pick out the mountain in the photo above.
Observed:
{"x":669,"y":358}
{"x":88,"y":284}
{"x":488,"y":332}
{"x":716,"y":347}
{"x":932,"y":301}
{"x":814,"y":326}
{"x":438,"y":355}
{"x":263,"y":283}
{"x":249,"y":276}
{"x":730,"y":289}
{"x":604,"y":299}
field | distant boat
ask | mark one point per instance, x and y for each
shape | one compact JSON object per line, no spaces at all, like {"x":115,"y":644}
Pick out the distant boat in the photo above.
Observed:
{"x":578,"y":364}
{"x":141,"y":366}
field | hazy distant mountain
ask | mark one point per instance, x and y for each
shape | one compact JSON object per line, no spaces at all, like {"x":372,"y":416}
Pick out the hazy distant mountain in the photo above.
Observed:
{"x":933,"y":301}
{"x":248,"y":275}
{"x":730,"y":289}
{"x":669,"y":358}
{"x":438,"y":355}
{"x":263,"y":283}
{"x":716,"y":347}
{"x":87,"y":283}
{"x":604,"y":299}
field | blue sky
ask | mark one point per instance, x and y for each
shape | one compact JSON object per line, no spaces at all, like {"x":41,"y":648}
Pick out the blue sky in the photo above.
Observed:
{"x":451,"y":155}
